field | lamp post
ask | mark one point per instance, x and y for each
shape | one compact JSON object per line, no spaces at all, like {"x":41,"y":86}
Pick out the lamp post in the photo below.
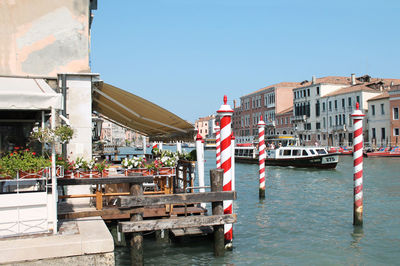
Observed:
{"x":97,"y":124}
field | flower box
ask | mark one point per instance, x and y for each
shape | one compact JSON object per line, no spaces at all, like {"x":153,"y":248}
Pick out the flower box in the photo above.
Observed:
{"x":90,"y":174}
{"x":141,"y":171}
{"x":166,"y":171}
{"x":32,"y":173}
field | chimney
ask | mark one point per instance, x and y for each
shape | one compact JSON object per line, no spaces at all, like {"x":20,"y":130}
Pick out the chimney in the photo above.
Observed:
{"x":353,"y":79}
{"x":234,"y":104}
{"x":314,"y":80}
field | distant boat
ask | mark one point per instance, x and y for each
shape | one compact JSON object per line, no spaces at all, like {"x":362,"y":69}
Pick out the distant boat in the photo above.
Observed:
{"x":296,"y":156}
{"x":210,"y":144}
{"x":384,"y":152}
{"x":284,"y":150}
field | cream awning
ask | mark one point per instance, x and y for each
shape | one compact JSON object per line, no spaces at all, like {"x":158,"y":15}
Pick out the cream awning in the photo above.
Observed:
{"x":27,"y":94}
{"x":139,"y":114}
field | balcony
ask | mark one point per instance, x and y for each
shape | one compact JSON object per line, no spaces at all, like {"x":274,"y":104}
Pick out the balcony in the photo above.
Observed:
{"x":299,"y":118}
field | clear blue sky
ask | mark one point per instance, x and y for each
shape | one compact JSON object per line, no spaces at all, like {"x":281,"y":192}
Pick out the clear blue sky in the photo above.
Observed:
{"x":184,"y":55}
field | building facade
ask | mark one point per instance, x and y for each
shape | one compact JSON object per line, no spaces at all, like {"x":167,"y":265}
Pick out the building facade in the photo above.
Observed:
{"x":379,"y":120}
{"x":394,"y":103}
{"x":206,"y":126}
{"x":265,"y":102}
{"x":284,"y":122}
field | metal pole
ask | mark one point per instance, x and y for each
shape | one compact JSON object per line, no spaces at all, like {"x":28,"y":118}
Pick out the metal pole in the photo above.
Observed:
{"x":53,"y":173}
{"x":144,"y":145}
{"x":200,"y":164}
{"x":43,"y":125}
{"x":358,"y":116}
{"x":226,"y":112}
{"x":179,"y":146}
{"x":261,"y":157}
{"x":233,"y":162}
{"x":218,"y":146}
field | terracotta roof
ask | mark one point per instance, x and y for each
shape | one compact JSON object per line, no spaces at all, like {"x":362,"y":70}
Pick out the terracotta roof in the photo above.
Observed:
{"x":358,"y":87}
{"x":278,"y":85}
{"x":383,"y":95}
{"x":288,"y":110}
{"x":347,"y":81}
{"x":202,"y":119}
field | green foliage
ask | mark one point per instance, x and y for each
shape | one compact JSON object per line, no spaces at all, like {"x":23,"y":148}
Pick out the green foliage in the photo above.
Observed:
{"x":64,"y":133}
{"x":61,"y":134}
{"x":23,"y":160}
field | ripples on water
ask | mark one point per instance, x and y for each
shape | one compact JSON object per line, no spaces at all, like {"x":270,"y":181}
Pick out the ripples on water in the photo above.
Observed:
{"x":305,"y":219}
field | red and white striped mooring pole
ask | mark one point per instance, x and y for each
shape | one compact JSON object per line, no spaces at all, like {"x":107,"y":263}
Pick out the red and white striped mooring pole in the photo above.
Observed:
{"x":225,"y":112}
{"x":358,"y":116}
{"x":261,"y":156}
{"x":218,"y":145}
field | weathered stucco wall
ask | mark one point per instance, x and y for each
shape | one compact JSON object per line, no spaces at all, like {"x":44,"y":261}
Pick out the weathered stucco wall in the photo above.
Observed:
{"x":44,"y":37}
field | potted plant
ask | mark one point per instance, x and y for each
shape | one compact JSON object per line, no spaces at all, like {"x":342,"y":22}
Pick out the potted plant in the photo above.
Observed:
{"x":100,"y":167}
{"x":135,"y":165}
{"x":62,"y":134}
{"x":24,"y":164}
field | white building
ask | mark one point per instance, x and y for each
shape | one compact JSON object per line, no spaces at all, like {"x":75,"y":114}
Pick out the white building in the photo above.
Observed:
{"x":379,"y":120}
{"x":307,"y":105}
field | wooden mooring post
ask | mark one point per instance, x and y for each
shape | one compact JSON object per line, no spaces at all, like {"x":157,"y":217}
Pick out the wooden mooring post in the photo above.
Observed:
{"x":136,"y":241}
{"x":216,"y":181}
{"x":217,"y":220}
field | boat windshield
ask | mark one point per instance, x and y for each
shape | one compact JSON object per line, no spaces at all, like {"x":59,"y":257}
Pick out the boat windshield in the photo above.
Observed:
{"x":305,"y":153}
{"x":321,"y":151}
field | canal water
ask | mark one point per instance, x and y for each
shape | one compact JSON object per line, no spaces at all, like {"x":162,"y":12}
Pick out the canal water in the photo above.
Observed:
{"x":306,"y":218}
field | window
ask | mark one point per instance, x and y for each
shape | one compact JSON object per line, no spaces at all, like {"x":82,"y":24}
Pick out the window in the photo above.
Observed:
{"x":382,"y":109}
{"x":396,"y":113}
{"x":317,"y":108}
{"x":344,"y":119}
{"x":373,"y":133}
{"x":295,"y":152}
{"x":330,"y":121}
{"x":395,"y":132}
{"x":358,"y":100}
{"x":335,"y":104}
{"x":324,"y":137}
{"x":343,"y":103}
{"x":286,"y":120}
{"x":323,"y":107}
{"x":373,"y":109}
{"x":340,"y":119}
{"x":336,"y":120}
{"x":383,"y":133}
{"x":318,"y":125}
{"x":308,"y":92}
{"x":305,"y":153}
{"x":330,"y":106}
{"x":349,"y":100}
{"x":286,"y":152}
{"x":317,"y":90}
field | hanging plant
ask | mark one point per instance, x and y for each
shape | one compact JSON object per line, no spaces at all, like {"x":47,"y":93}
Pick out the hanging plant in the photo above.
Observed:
{"x":61,"y":134}
{"x":64,"y":133}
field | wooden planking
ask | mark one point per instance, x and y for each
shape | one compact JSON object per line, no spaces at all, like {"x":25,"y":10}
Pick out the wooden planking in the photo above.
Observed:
{"x":104,"y":180}
{"x":186,"y":198}
{"x":105,"y":212}
{"x":174,"y":223}
{"x":192,"y":231}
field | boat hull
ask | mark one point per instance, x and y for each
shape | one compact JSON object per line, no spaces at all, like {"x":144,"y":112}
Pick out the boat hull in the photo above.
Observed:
{"x":327,"y":161}
{"x":382,"y":154}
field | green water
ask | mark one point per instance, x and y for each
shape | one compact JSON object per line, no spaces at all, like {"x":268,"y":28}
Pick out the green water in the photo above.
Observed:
{"x":305,"y":219}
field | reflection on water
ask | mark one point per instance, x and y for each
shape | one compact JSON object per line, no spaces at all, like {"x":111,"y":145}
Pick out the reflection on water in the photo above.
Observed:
{"x":357,"y":235}
{"x":306,"y":218}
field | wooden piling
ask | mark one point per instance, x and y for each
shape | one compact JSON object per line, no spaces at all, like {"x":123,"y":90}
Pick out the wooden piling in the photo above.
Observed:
{"x":136,"y":240}
{"x":216,"y":181}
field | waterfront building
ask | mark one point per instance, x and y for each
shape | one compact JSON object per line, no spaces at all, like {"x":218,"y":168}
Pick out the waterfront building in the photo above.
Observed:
{"x":307,"y":106}
{"x":394,"y":102}
{"x":322,"y":108}
{"x":265,"y":102}
{"x":206,"y":126}
{"x":379,"y":120}
{"x":284,"y":122}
